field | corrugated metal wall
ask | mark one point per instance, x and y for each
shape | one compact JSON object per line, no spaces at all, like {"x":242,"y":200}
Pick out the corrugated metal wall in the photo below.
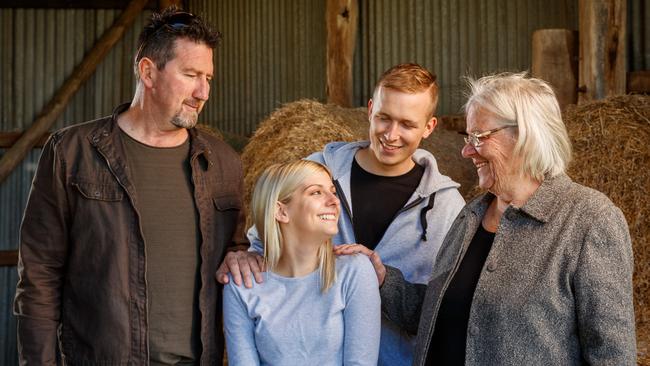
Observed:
{"x":273,"y":52}
{"x":452,"y":38}
{"x":38,"y":49}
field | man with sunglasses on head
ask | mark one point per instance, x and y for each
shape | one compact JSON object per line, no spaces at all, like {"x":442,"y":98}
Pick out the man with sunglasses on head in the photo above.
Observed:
{"x":129,"y":217}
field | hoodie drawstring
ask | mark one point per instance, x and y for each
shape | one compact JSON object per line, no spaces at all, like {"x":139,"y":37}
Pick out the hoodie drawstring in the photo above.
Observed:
{"x":423,"y":215}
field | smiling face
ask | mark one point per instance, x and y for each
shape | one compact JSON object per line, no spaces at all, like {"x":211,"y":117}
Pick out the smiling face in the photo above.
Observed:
{"x":313,"y":210}
{"x":398,"y":122}
{"x":495,"y":163}
{"x":181,"y":88}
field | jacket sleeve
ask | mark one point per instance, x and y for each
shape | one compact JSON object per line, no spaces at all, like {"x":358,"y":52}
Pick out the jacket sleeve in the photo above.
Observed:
{"x":239,"y":240}
{"x":41,"y":261}
{"x":603,"y":292}
{"x":401,"y":301}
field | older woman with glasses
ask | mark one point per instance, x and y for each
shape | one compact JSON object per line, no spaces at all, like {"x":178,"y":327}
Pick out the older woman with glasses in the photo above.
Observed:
{"x":538,"y":270}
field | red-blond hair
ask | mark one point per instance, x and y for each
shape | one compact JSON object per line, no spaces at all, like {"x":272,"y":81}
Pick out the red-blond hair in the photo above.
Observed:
{"x":409,"y":78}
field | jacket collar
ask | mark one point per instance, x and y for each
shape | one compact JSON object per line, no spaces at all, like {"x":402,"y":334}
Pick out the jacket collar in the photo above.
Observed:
{"x":541,"y":206}
{"x":108,"y":134}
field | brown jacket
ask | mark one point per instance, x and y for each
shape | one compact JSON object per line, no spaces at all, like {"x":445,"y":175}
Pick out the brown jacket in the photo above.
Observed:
{"x":82,"y":267}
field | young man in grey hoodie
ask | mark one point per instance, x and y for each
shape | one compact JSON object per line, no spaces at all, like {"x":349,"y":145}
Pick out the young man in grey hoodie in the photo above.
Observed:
{"x":394,"y":200}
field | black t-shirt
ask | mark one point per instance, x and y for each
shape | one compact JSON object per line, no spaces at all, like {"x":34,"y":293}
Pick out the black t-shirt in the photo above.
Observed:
{"x":377,"y":199}
{"x":447,"y":345}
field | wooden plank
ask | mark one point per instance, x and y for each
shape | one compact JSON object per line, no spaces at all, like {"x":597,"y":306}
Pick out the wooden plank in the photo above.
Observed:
{"x":638,"y":82}
{"x":341,"y":19}
{"x":8,"y":139}
{"x":602,"y":59}
{"x":8,"y":258}
{"x":48,"y":115}
{"x":71,"y":4}
{"x":164,"y":4}
{"x":555,"y":59}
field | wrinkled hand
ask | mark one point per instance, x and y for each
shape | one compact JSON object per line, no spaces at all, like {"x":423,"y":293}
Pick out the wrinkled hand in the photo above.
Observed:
{"x":241,"y":264}
{"x":347,"y":249}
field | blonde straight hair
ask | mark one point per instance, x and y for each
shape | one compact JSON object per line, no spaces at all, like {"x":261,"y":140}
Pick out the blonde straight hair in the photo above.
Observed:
{"x":277,"y":184}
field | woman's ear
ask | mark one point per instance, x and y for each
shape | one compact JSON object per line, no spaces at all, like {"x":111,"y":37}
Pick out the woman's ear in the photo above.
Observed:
{"x":281,"y":214}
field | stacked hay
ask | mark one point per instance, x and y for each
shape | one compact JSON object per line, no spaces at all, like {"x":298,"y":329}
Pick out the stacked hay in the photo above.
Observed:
{"x":612,"y":154}
{"x":292,"y":132}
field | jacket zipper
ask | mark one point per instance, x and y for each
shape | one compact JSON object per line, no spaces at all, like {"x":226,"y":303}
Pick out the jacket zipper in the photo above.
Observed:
{"x":405,"y":208}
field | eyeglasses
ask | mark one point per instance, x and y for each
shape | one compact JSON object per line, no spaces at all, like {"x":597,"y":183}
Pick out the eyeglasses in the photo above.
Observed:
{"x":175,"y":22}
{"x":474,"y":138}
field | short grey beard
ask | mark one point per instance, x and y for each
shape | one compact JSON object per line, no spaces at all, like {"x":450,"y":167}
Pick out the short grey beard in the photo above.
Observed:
{"x":183,"y":123}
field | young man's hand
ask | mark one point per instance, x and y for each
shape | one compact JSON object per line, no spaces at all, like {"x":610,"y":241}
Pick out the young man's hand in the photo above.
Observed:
{"x":241,"y":264}
{"x":347,"y":249}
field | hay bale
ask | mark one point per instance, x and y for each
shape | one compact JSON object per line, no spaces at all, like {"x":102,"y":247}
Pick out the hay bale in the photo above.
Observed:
{"x":610,"y":139}
{"x":643,"y":343}
{"x":446,"y":145}
{"x":292,"y":132}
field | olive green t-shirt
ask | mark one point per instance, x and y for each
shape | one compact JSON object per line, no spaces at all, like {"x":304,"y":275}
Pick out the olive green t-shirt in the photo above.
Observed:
{"x":169,"y":221}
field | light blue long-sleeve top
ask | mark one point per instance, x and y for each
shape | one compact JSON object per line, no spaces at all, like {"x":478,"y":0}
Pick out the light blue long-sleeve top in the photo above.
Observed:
{"x":289,"y":321}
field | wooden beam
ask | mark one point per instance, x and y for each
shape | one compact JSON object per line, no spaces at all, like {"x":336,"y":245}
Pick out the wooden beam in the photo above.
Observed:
{"x":8,"y":139}
{"x":555,"y":59}
{"x":638,"y":82}
{"x":81,"y":73}
{"x":71,"y":4}
{"x":602,"y":61}
{"x":8,"y":258}
{"x":164,"y":4}
{"x":341,"y":18}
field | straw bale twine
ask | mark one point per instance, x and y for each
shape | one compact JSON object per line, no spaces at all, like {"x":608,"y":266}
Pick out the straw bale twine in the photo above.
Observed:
{"x":293,"y":132}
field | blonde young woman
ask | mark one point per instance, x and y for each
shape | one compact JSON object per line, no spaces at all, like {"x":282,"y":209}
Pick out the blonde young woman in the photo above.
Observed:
{"x":311,"y":308}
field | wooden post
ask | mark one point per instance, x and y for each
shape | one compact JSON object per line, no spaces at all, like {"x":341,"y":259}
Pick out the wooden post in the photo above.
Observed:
{"x":602,"y":48}
{"x":341,"y":19}
{"x":555,"y":59}
{"x":638,"y":82}
{"x":81,"y":73}
{"x":8,"y":258}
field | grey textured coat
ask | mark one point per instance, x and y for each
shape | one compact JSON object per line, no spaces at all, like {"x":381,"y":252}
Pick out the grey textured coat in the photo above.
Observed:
{"x":556,"y":288}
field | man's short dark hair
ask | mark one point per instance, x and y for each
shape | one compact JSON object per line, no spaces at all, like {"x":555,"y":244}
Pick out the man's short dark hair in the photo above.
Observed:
{"x":157,"y":38}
